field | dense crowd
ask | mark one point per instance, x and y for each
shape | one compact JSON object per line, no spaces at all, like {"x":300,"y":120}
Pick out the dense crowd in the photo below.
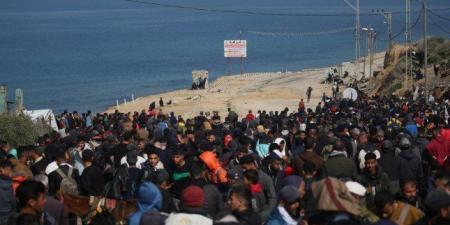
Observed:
{"x":379,"y":160}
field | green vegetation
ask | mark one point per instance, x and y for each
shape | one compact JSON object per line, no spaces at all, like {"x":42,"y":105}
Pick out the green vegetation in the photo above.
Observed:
{"x":17,"y":130}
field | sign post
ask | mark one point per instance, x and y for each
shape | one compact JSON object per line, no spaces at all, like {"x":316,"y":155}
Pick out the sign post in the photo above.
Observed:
{"x":235,"y":49}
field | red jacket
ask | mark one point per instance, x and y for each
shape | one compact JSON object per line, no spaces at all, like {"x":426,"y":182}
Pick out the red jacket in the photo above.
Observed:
{"x":250,"y":117}
{"x":439,"y":148}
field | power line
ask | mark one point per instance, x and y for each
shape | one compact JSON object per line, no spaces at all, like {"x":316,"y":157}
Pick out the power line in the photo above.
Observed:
{"x":439,"y":26}
{"x":255,"y":13}
{"x":402,"y":31}
{"x":301,"y":34}
{"x":437,"y":15}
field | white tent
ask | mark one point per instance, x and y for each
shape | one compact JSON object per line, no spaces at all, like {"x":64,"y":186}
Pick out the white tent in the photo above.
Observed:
{"x":350,"y":93}
{"x":43,"y":115}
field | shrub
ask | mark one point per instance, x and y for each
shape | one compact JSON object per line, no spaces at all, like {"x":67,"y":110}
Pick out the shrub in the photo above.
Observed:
{"x":17,"y":130}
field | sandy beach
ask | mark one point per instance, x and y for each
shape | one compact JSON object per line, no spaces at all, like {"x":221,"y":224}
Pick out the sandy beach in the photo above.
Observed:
{"x":255,"y":91}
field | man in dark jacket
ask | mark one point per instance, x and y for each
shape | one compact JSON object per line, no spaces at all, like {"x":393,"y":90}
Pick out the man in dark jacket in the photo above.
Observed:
{"x":213,"y":201}
{"x":54,"y":179}
{"x":272,"y":166}
{"x":121,"y":149}
{"x":288,"y":210}
{"x":390,"y":164}
{"x":52,"y":206}
{"x":39,"y":162}
{"x":248,"y":163}
{"x":410,"y":163}
{"x":410,"y":194}
{"x":241,"y":206}
{"x":91,"y":181}
{"x":180,"y":173}
{"x":338,"y":165}
{"x":31,"y":196}
{"x":8,"y":201}
{"x":310,"y":155}
{"x":373,"y":179}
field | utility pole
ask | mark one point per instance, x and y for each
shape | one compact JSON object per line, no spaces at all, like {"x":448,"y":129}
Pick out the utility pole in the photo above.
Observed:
{"x":369,"y":48}
{"x":357,"y":35}
{"x":425,"y":47}
{"x":242,"y":58}
{"x":388,"y":17}
{"x":408,"y":60}
{"x":372,"y":49}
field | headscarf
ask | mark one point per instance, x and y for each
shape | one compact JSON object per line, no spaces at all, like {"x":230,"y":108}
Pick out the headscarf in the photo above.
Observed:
{"x":149,"y":198}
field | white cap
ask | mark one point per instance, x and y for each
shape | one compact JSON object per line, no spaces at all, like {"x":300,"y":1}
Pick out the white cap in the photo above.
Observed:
{"x":356,"y":188}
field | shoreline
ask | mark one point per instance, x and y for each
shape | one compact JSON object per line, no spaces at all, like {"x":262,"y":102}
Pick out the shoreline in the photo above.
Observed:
{"x":252,"y":91}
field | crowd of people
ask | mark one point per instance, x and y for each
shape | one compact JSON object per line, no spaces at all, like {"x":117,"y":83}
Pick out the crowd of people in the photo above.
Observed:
{"x":378,"y":160}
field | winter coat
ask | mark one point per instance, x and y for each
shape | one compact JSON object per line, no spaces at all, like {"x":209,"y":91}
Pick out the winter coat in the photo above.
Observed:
{"x":248,"y":218}
{"x":269,"y":194}
{"x":439,"y":148}
{"x":410,"y":166}
{"x":314,"y":158}
{"x":340,"y":166}
{"x":276,"y":218}
{"x":92,"y":182}
{"x":8,"y":200}
{"x":390,"y":164}
{"x":148,"y":199}
{"x":56,"y":209}
{"x":153,"y":218}
{"x":213,"y":200}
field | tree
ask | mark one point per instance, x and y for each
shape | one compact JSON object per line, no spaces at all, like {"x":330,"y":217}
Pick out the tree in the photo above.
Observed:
{"x":17,"y":130}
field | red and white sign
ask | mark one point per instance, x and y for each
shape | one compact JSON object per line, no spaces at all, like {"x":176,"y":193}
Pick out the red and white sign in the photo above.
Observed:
{"x":235,"y":48}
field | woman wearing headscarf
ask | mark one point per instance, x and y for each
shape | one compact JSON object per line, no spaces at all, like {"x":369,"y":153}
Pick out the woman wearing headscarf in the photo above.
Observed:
{"x":149,"y":201}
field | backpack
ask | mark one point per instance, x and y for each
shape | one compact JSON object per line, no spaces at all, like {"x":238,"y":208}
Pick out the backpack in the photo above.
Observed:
{"x":117,"y":187}
{"x":68,"y":184}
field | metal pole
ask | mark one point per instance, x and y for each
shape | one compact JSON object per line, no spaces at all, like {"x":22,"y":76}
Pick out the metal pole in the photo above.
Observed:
{"x":242,"y":58}
{"x":3,"y":99}
{"x":372,"y":36}
{"x":229,"y":65}
{"x":367,"y":53}
{"x":389,"y":21}
{"x":358,"y":37}
{"x":425,"y":47}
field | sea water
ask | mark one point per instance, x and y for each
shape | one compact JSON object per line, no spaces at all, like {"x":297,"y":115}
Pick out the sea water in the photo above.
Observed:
{"x":80,"y":55}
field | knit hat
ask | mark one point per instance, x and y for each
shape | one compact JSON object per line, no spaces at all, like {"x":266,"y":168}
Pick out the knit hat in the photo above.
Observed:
{"x":206,"y":146}
{"x":273,"y":157}
{"x":192,"y":197}
{"x":292,"y":180}
{"x":437,"y":199}
{"x":289,"y":194}
{"x":246,"y":159}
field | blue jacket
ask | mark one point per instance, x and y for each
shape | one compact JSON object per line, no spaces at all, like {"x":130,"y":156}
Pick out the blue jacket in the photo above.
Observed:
{"x":275,"y":218}
{"x":149,"y":199}
{"x":7,"y":199}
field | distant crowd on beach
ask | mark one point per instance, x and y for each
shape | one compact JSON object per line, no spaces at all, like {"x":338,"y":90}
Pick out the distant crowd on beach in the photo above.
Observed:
{"x":376,"y":160}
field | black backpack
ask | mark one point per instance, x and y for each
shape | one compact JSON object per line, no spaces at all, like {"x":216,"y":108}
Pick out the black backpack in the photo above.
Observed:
{"x":117,"y":187}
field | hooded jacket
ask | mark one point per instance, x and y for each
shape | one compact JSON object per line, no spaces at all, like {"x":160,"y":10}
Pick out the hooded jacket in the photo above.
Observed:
{"x":389,"y":162}
{"x":439,"y":148}
{"x":8,"y":200}
{"x":149,"y":199}
{"x":410,"y":166}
